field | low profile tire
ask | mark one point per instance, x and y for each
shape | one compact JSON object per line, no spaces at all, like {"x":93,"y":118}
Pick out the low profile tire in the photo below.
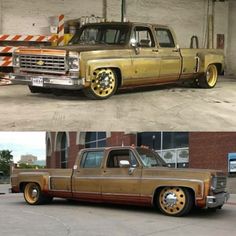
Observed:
{"x":33,"y":194}
{"x":210,"y":78}
{"x":34,"y":89}
{"x":104,"y":84}
{"x":175,"y":201}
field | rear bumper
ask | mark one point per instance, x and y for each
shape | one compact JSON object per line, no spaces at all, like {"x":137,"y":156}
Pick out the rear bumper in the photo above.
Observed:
{"x":48,"y":81}
{"x":14,"y":189}
{"x":217,"y":200}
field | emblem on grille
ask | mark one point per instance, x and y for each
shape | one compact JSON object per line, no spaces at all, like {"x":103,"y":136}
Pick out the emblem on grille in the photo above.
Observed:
{"x":40,"y":63}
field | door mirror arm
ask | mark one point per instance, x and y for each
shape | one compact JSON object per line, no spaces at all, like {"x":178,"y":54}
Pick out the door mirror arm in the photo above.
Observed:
{"x":134,"y":45}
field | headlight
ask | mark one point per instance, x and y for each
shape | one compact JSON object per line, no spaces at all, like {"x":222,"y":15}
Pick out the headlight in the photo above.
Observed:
{"x":16,"y":60}
{"x":73,"y":61}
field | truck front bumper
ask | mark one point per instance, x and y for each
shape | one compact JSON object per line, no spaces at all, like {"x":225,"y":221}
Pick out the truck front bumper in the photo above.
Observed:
{"x":217,"y":200}
{"x":48,"y":81}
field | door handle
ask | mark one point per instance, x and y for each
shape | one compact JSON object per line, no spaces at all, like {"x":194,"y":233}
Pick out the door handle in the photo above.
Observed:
{"x":155,"y":50}
{"x":131,"y":171}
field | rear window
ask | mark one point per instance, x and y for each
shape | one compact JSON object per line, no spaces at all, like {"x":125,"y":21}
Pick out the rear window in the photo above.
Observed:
{"x":92,"y":159}
{"x":165,"y":38}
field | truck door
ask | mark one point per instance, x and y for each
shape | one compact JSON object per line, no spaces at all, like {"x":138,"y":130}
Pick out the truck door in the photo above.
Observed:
{"x":121,"y":183}
{"x":145,"y":58}
{"x":86,"y":180}
{"x":170,"y":67}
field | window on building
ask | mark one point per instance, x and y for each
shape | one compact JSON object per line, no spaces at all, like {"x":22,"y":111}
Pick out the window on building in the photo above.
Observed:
{"x":49,"y":152}
{"x":150,"y":139}
{"x":175,"y":140}
{"x":63,"y":151}
{"x":163,"y":140}
{"x":92,"y":159}
{"x":95,"y":139}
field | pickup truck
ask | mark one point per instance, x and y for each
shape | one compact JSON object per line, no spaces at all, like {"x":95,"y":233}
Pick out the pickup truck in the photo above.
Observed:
{"x":104,"y":57}
{"x":125,"y":175}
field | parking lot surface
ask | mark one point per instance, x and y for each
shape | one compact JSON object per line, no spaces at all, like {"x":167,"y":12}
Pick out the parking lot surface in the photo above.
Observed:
{"x":172,"y":107}
{"x":62,"y":218}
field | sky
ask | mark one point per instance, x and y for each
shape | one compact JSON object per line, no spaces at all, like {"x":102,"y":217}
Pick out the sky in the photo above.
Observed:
{"x":22,"y":143}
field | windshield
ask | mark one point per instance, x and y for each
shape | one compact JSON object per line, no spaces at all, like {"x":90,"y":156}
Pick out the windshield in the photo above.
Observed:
{"x":150,"y":158}
{"x":101,"y":34}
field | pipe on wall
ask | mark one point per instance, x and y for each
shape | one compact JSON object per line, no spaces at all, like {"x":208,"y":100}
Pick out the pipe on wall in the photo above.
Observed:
{"x":123,"y":10}
{"x":104,"y":10}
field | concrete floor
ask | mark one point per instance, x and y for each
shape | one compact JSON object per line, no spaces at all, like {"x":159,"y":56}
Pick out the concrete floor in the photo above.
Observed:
{"x":62,"y":218}
{"x":169,"y":108}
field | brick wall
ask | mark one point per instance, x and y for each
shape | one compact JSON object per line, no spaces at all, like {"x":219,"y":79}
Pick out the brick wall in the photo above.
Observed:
{"x":120,"y":138}
{"x":210,"y":150}
{"x":115,"y":139}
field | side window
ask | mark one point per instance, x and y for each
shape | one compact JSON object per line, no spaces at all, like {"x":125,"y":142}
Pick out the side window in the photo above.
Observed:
{"x":165,"y":38}
{"x":143,"y":36}
{"x":116,"y":156}
{"x":92,"y":159}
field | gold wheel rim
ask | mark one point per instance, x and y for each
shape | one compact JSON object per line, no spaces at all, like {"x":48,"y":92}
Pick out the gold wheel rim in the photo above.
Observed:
{"x":103,"y":82}
{"x":211,"y":75}
{"x":31,"y":193}
{"x":172,"y":200}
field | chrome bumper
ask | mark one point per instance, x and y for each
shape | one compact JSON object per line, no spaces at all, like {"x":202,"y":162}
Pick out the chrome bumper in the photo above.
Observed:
{"x":48,"y":81}
{"x":217,"y":200}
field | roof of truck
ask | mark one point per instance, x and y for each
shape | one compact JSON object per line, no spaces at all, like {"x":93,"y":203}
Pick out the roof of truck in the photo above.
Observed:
{"x":127,"y":23}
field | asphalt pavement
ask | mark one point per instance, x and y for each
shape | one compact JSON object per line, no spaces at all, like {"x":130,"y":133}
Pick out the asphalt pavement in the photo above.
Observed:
{"x":63,"y":218}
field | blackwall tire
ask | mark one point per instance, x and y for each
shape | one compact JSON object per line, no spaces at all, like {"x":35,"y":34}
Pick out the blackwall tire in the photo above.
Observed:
{"x":210,"y":78}
{"x":175,"y":201}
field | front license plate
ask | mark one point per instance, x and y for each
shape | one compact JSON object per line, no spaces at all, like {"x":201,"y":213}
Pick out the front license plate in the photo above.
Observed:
{"x":38,"y":81}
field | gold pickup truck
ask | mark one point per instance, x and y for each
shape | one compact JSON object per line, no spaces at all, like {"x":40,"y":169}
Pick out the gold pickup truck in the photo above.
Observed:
{"x":104,"y":57}
{"x":125,"y":175}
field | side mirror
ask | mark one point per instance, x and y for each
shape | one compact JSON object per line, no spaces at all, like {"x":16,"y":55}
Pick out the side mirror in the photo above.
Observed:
{"x":133,"y":42}
{"x":124,"y":164}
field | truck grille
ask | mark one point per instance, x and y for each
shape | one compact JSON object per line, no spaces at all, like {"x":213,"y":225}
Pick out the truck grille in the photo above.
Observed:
{"x":220,"y":184}
{"x":43,"y":63}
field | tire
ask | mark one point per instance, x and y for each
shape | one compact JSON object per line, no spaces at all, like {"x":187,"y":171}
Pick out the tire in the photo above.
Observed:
{"x":210,"y":78}
{"x":34,"y":196}
{"x":34,"y":89}
{"x":103,"y":84}
{"x":175,"y":201}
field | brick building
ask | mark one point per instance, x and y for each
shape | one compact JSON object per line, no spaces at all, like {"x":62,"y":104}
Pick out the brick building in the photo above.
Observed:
{"x":179,"y":149}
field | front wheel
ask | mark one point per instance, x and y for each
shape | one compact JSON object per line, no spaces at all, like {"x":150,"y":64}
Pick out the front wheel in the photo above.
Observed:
{"x":33,"y":194}
{"x":175,"y":201}
{"x":104,"y":84}
{"x":210,"y":78}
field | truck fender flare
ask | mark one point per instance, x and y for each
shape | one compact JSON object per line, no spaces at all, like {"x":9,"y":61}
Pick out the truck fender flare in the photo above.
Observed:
{"x":159,"y":188}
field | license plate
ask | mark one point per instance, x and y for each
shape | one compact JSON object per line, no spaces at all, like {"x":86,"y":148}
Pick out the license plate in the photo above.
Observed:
{"x":38,"y":81}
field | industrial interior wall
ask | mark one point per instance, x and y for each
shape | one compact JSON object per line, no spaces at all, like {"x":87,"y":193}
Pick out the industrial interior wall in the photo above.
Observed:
{"x":231,"y":52}
{"x":0,"y":16}
{"x":186,"y":17}
{"x":32,"y":16}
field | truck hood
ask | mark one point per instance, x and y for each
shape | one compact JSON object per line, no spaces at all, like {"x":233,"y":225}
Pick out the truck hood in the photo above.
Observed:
{"x":63,"y":50}
{"x":87,"y":47}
